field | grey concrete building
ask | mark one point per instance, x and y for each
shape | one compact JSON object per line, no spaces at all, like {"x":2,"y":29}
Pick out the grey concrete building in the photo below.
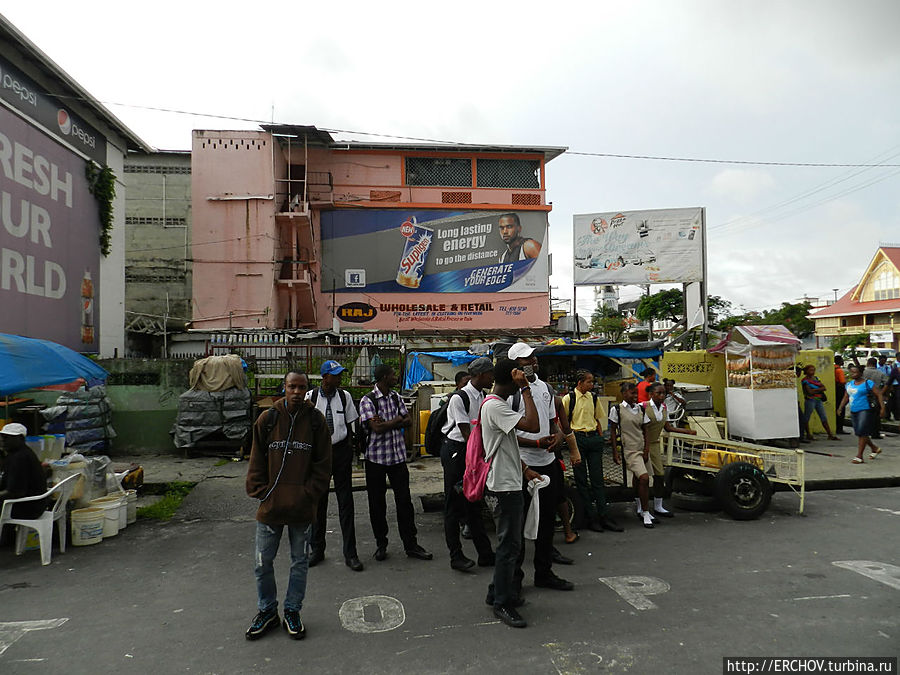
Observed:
{"x":157,"y":248}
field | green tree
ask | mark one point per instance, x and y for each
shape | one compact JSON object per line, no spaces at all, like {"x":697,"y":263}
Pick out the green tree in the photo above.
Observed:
{"x":609,"y":323}
{"x":793,"y":317}
{"x":669,"y":305}
{"x":843,"y":342}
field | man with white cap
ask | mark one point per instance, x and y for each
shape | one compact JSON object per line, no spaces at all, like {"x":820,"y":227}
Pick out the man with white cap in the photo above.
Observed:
{"x":337,"y":406}
{"x":462,"y":408}
{"x":537,"y":452}
{"x":23,"y":475}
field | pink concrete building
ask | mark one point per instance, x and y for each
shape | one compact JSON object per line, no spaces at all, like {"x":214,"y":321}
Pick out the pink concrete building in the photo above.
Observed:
{"x":293,"y":230}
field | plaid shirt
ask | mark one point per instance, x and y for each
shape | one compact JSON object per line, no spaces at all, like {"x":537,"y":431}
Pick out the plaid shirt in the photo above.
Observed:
{"x":388,"y":448}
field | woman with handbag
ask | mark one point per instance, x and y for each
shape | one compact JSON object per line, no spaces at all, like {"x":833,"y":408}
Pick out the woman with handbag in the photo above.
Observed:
{"x":866,"y":403}
{"x":815,"y":397}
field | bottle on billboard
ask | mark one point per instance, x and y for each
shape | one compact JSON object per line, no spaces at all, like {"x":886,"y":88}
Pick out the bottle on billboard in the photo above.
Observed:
{"x":87,"y":308}
{"x":415,"y":253}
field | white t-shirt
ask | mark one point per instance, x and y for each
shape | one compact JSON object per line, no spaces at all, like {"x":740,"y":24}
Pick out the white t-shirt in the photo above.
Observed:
{"x":659,"y":413}
{"x":546,"y":410}
{"x":456,"y":413}
{"x":341,"y":421}
{"x":638,"y":409}
{"x":498,"y":423}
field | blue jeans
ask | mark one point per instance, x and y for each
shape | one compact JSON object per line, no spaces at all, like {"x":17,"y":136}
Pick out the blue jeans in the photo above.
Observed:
{"x":814,"y":405}
{"x":508,"y":509}
{"x":267,"y":539}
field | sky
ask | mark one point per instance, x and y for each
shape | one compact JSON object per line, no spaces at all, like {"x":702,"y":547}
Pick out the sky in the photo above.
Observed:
{"x":806,"y":81}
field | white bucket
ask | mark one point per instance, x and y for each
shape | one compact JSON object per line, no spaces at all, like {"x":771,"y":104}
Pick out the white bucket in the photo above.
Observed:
{"x":131,"y":498}
{"x":111,"y":507}
{"x":87,"y":526}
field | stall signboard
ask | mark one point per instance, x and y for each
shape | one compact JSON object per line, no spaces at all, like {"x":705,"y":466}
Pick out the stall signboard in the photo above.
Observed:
{"x":404,"y":252}
{"x":639,"y":247}
{"x":881,"y":336}
{"x":49,"y":249}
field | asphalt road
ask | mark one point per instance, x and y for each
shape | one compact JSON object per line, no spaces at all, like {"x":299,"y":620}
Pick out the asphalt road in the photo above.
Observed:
{"x":177,"y":597}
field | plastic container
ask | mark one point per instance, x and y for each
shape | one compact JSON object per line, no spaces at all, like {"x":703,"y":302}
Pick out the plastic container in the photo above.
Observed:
{"x":36,"y":443}
{"x":63,"y":470}
{"x":87,"y":526}
{"x":111,"y":506}
{"x":131,"y":500}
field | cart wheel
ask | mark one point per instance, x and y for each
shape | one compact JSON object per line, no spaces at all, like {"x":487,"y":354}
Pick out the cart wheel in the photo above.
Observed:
{"x":744,"y":490}
{"x":690,"y":501}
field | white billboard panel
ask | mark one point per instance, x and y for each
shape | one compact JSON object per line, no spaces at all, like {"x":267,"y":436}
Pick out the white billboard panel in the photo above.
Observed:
{"x":638,"y":247}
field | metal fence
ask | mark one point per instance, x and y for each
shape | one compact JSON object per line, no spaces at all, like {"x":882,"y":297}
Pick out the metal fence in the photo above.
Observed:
{"x":269,"y":363}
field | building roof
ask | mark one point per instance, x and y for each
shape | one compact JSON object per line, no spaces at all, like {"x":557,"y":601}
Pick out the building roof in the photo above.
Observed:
{"x":31,"y":52}
{"x":320,"y":137}
{"x":849,"y":303}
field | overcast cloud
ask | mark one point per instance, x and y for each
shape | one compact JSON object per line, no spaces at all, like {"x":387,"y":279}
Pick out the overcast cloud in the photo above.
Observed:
{"x":804,"y":81}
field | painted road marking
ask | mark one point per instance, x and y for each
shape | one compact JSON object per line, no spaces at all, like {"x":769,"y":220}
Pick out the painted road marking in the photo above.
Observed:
{"x":884,"y":572}
{"x":634,"y":590}
{"x":10,"y":631}
{"x":372,"y":614}
{"x":824,"y":597}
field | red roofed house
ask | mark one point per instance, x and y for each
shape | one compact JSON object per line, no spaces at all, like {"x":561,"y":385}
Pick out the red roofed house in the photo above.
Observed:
{"x":872,"y":306}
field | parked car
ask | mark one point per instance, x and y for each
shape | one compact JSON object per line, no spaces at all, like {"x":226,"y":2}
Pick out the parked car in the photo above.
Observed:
{"x":865,"y":353}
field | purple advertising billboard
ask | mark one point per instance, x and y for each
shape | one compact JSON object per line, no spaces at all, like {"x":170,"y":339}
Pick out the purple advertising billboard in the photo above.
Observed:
{"x":49,"y":249}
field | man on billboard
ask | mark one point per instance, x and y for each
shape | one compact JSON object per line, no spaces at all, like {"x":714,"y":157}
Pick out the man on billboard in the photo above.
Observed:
{"x":517,"y":246}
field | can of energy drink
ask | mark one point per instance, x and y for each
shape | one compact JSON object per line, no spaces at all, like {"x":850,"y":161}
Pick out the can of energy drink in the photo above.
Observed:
{"x":415,"y":253}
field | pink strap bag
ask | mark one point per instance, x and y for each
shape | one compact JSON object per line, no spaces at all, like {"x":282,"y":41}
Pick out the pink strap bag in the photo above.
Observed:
{"x":477,"y":467}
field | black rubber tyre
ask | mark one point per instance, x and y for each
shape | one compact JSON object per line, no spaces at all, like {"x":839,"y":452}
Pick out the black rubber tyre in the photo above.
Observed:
{"x":694,"y":502}
{"x":743,"y":490}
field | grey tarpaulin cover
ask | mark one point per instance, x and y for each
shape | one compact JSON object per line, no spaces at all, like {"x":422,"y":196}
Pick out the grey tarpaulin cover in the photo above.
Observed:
{"x":203,"y":413}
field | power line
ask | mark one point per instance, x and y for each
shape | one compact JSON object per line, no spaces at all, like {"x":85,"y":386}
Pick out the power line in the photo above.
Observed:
{"x":420,"y":139}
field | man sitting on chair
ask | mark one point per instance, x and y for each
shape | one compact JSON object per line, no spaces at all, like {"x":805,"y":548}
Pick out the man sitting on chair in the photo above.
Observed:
{"x":23,"y":475}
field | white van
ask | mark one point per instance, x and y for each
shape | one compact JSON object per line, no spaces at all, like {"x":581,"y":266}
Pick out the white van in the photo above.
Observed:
{"x":866,"y":353}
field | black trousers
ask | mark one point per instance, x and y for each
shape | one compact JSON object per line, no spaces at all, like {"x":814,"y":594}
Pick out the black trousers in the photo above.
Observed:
{"x":342,"y":472}
{"x":377,"y":476}
{"x":457,"y":509}
{"x":839,"y":391}
{"x":543,"y":545}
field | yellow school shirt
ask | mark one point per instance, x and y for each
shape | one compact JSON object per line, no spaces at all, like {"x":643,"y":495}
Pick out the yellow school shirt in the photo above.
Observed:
{"x":584,"y":415}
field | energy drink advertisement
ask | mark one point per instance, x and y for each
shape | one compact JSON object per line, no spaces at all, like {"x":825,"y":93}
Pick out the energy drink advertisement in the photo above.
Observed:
{"x":439,"y":251}
{"x":415,"y":253}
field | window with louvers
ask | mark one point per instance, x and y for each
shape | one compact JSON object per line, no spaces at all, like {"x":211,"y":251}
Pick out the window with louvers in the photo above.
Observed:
{"x":439,"y":172}
{"x":509,"y":173}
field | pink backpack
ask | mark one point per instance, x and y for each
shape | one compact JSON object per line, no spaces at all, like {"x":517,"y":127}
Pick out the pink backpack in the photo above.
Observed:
{"x":476,"y":473}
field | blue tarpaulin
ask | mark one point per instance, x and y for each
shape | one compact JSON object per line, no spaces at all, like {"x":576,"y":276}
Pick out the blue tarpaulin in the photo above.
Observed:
{"x":26,"y":363}
{"x":416,"y":372}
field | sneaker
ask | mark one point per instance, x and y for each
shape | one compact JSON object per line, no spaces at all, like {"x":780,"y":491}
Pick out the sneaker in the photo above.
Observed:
{"x":510,"y":617}
{"x":262,"y":623}
{"x":293,"y":625}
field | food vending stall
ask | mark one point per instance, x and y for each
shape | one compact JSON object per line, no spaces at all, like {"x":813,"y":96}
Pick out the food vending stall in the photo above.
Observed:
{"x":761,"y":391}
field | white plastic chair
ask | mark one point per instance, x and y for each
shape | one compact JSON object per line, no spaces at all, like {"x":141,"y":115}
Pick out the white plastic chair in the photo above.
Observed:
{"x":44,"y":523}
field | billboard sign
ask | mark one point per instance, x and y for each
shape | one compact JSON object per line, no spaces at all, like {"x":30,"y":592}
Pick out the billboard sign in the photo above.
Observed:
{"x":639,"y":247}
{"x":434,"y":251}
{"x":23,"y":94}
{"x":49,"y":250}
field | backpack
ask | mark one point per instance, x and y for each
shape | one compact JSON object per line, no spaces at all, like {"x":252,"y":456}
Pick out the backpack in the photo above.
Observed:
{"x":570,"y":407}
{"x":434,"y":434}
{"x":477,"y":467}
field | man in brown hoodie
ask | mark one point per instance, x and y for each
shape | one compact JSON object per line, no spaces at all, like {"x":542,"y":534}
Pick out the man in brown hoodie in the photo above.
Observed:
{"x":290,"y":467}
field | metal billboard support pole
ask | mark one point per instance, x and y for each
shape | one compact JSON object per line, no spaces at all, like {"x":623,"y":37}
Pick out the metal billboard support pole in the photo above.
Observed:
{"x":704,"y":335}
{"x":576,"y":329}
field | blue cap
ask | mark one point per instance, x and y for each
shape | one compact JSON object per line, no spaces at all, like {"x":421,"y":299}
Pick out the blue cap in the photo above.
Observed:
{"x":331,"y":368}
